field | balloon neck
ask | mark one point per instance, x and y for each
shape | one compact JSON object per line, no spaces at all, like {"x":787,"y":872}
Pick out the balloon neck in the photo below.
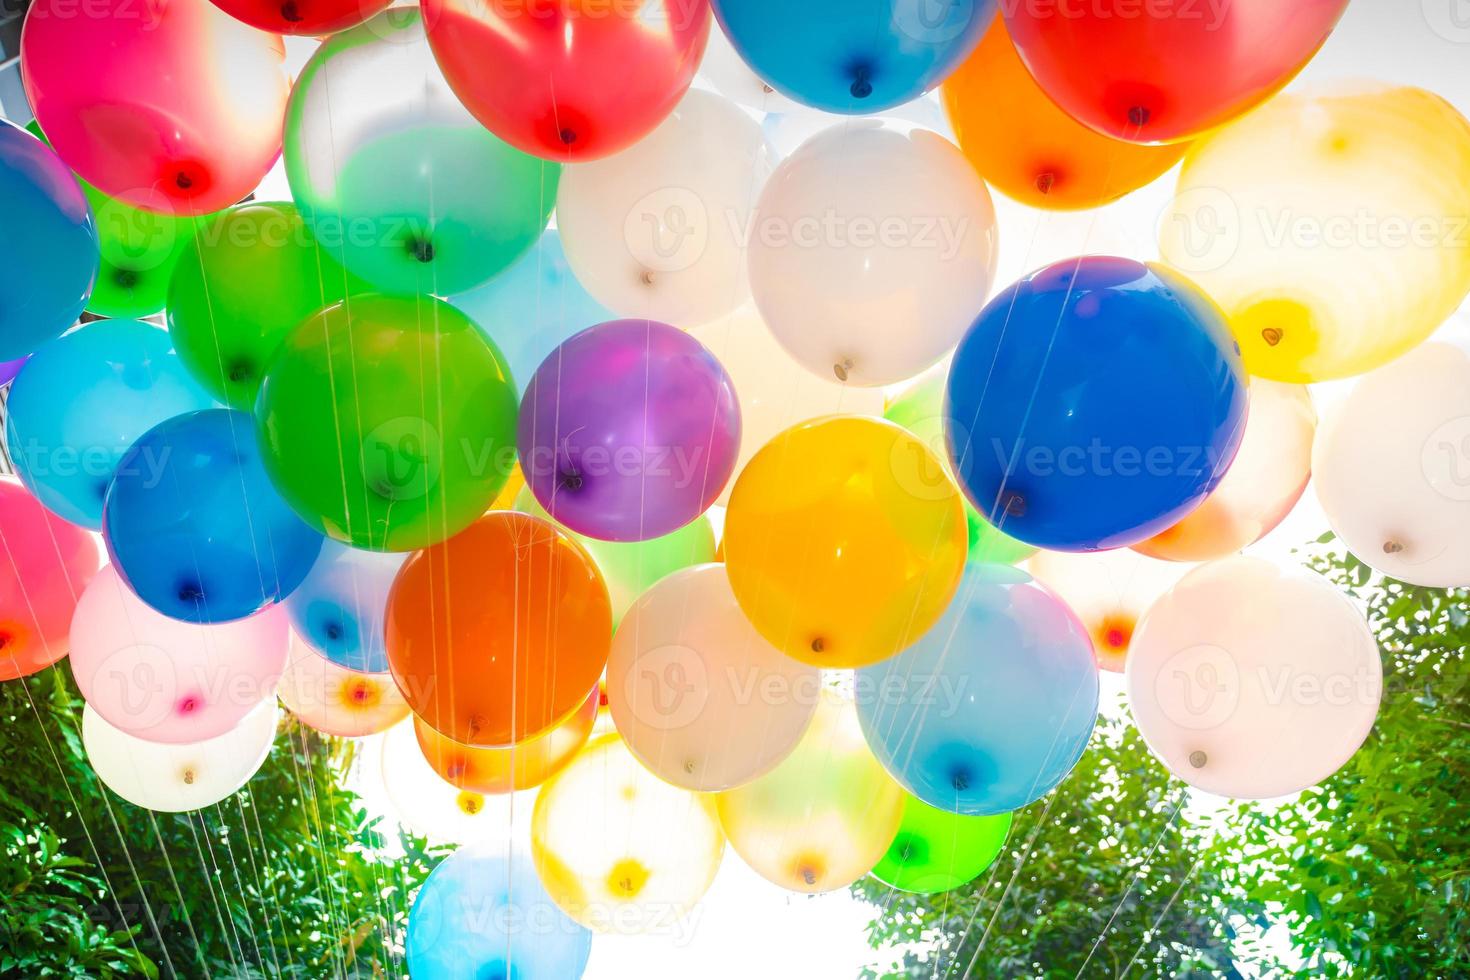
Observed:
{"x":1392,"y":547}
{"x":842,"y":368}
{"x":126,"y":278}
{"x":421,"y":249}
{"x":567,"y":136}
{"x":648,"y":278}
{"x":1015,"y":506}
{"x":1198,"y":759}
{"x":290,"y":12}
{"x":818,"y":645}
{"x":241,"y":371}
{"x":1139,"y":116}
{"x":188,"y":777}
{"x":1045,"y":182}
{"x":862,"y":84}
{"x":1272,"y":336}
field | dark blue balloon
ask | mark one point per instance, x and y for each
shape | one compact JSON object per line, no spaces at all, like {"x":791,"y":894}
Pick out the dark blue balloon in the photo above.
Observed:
{"x":194,"y":526}
{"x":1094,"y":403}
{"x":854,"y":56}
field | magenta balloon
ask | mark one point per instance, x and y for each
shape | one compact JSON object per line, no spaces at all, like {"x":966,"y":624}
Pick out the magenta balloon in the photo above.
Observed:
{"x":629,"y":431}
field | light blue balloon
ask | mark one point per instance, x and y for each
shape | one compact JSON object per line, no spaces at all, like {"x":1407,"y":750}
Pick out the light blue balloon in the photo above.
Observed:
{"x":532,"y":307}
{"x":484,"y":915}
{"x":339,"y":608}
{"x":82,"y":400}
{"x":993,"y":706}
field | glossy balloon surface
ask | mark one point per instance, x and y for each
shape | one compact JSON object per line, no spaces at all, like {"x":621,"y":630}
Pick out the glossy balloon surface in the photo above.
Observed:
{"x":935,"y":850}
{"x":336,"y":700}
{"x":339,"y":607}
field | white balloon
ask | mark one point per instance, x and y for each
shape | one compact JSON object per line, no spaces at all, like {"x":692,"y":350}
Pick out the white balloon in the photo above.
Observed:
{"x":427,"y":804}
{"x":658,"y":230}
{"x":1253,"y":681}
{"x":872,"y":252}
{"x":724,"y":71}
{"x":1391,"y":465}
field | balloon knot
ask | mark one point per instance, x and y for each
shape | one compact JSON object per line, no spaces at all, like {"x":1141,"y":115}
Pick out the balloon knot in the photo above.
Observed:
{"x":1392,"y":547}
{"x":842,"y":368}
{"x":1139,"y":116}
{"x":1045,"y":181}
{"x":126,"y":278}
{"x":818,"y":645}
{"x":290,"y":12}
{"x":862,"y":85}
{"x":421,"y":249}
{"x":567,"y":136}
{"x":1272,"y":335}
{"x":1015,"y":505}
{"x":1198,"y":759}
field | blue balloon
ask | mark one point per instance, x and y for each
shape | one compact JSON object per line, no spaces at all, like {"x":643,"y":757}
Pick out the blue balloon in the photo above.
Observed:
{"x":529,"y":309}
{"x":1094,"y":404}
{"x":194,"y":526}
{"x":993,"y":706}
{"x":51,"y":253}
{"x":854,"y":56}
{"x":484,"y":915}
{"x":339,"y":608}
{"x":82,"y":400}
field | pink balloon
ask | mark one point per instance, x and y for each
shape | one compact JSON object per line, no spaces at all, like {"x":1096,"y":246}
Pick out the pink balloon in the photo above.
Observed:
{"x":335,"y":699}
{"x":46,"y":564}
{"x":166,"y":680}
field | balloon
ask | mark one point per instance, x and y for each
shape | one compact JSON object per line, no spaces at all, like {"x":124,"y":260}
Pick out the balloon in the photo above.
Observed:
{"x":555,"y":77}
{"x":935,"y":850}
{"x":853,"y":57}
{"x":871,"y":252}
{"x":225,"y":325}
{"x":521,"y":766}
{"x":178,"y":778}
{"x":82,"y":401}
{"x":1328,"y":226}
{"x":532,"y":307}
{"x":1259,"y":705}
{"x":629,"y":431}
{"x":1094,"y":403}
{"x":338,"y":608}
{"x":398,"y":180}
{"x":388,"y":422}
{"x":166,"y":680}
{"x":46,"y":565}
{"x":483,"y":914}
{"x":1157,"y":78}
{"x":423,"y":802}
{"x":1015,"y":137}
{"x":844,"y":541}
{"x":1392,"y":467}
{"x":51,"y":260}
{"x":336,"y":700}
{"x":658,"y":230}
{"x":1262,"y":486}
{"x":724,"y":71}
{"x":9,"y":369}
{"x":497,"y":634}
{"x":619,"y":850}
{"x":195,"y":528}
{"x":174,"y":99}
{"x":822,"y":818}
{"x":993,"y":707}
{"x":312,"y":18}
{"x":702,"y":699}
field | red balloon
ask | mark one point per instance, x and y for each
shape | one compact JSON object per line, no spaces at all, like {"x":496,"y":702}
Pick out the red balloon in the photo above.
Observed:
{"x":308,"y":17}
{"x":569,"y":79}
{"x":1160,"y":75}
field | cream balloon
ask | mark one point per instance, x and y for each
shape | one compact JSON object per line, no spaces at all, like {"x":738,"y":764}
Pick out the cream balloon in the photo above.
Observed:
{"x":174,"y":778}
{"x":872,"y":252}
{"x":703,"y":700}
{"x":723,"y":70}
{"x":658,"y":230}
{"x":1253,"y":681}
{"x":336,"y":700}
{"x":428,"y":805}
{"x":1392,"y":467}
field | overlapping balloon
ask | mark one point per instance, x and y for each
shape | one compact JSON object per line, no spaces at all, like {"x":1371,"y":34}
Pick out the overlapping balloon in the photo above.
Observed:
{"x":586,"y":511}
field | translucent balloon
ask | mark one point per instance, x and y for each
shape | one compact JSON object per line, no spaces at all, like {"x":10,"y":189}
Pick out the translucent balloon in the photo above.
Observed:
{"x":177,"y":99}
{"x":723,"y":70}
{"x":388,"y":422}
{"x":51,"y":262}
{"x":1259,"y":705}
{"x":703,"y":700}
{"x":618,"y":849}
{"x":338,"y":608}
{"x":657,"y":230}
{"x":398,"y":180}
{"x":166,"y":680}
{"x":844,"y":541}
{"x":1329,"y":226}
{"x":872,"y":251}
{"x":178,"y":778}
{"x":313,"y":18}
{"x":935,"y":850}
{"x":194,"y":526}
{"x":427,"y":805}
{"x":45,"y":563}
{"x":80,"y":404}
{"x":629,"y":431}
{"x":822,"y":818}
{"x":483,"y":914}
{"x":335,"y":700}
{"x":994,"y":706}
{"x":498,"y":634}
{"x":1262,"y":486}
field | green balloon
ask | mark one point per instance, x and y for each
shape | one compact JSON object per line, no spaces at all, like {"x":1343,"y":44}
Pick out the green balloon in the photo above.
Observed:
{"x":935,"y":850}
{"x":920,"y":409}
{"x":387,"y":422}
{"x":245,"y":280}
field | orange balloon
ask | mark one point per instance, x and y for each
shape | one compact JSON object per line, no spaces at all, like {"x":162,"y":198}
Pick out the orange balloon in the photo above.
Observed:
{"x":1030,"y":150}
{"x":497,"y":634}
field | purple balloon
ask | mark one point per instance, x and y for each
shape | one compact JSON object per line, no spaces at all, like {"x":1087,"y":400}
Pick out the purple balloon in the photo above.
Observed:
{"x":9,"y":369}
{"x":629,"y":431}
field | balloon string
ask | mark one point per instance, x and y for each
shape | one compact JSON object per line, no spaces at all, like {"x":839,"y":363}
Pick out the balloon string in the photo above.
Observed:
{"x":212,"y":877}
{"x":1153,"y":930}
{"x":260,"y":883}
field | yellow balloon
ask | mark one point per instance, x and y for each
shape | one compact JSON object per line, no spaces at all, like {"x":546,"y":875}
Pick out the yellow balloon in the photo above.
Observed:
{"x":618,"y":849}
{"x":822,"y":818}
{"x":1332,"y":226}
{"x":844,"y":541}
